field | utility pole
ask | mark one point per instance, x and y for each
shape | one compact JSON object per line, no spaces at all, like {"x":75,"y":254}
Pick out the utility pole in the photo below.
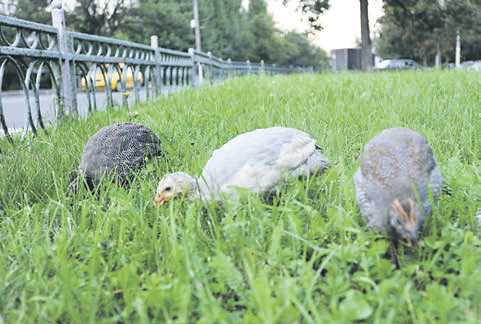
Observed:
{"x":196,"y":25}
{"x":458,"y":50}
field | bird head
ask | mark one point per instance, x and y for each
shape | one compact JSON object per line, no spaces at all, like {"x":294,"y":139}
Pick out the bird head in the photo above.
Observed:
{"x":405,"y":219}
{"x":173,"y":185}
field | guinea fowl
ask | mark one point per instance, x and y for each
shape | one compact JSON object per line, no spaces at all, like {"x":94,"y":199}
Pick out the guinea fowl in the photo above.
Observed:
{"x":114,"y":152}
{"x":253,"y":160}
{"x":393,"y":184}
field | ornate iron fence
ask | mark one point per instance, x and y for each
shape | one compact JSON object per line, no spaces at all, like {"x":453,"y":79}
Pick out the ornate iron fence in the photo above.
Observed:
{"x":68,"y":60}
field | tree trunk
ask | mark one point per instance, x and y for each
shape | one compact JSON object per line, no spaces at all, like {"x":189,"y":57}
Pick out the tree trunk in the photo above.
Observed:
{"x":366,"y":55}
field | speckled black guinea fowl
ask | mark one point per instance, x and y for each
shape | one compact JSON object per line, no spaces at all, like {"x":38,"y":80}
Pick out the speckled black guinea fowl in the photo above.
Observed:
{"x":114,"y":152}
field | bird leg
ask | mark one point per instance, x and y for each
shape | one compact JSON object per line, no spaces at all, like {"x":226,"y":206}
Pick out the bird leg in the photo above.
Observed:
{"x":393,"y":256}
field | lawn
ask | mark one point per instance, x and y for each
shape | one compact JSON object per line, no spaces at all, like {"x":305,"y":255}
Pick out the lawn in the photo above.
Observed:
{"x":305,"y":256}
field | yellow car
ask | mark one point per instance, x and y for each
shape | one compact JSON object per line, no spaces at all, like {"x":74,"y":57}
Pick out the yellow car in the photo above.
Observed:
{"x":116,"y":83}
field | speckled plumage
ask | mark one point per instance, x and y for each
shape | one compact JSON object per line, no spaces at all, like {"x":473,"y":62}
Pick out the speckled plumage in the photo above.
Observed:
{"x":253,"y":160}
{"x":115,"y":151}
{"x":393,"y":163}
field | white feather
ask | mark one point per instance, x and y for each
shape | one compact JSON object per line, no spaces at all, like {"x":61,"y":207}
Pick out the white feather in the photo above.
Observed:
{"x":257,"y":159}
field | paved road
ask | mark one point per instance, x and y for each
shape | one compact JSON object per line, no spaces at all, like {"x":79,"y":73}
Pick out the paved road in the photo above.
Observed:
{"x":14,"y":104}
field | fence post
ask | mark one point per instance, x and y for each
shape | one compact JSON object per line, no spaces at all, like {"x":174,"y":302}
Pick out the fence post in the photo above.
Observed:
{"x":248,"y":66}
{"x":219,"y":70}
{"x":229,"y":69}
{"x":197,"y":76}
{"x":211,"y":77}
{"x":58,"y":21}
{"x":156,"y":84}
{"x":193,"y":73}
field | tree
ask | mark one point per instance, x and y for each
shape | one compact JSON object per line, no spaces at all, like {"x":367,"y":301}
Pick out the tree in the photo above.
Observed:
{"x":366,"y":53}
{"x":300,"y":52}
{"x":96,"y":17}
{"x":224,"y":28}
{"x":265,"y":40}
{"x":315,"y":8}
{"x":168,"y":19}
{"x":33,"y":10}
{"x":422,"y":30}
{"x":227,"y":29}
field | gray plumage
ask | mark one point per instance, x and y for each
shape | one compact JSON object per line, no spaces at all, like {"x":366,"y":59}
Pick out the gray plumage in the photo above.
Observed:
{"x":395,"y":164}
{"x":114,"y":152}
{"x":253,"y":160}
{"x":1,"y":207}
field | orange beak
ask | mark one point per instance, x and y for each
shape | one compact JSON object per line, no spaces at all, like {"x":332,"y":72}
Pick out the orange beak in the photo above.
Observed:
{"x":159,"y":200}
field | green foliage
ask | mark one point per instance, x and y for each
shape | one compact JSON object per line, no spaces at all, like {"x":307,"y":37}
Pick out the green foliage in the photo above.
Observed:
{"x":265,"y":38}
{"x":168,"y":19}
{"x":33,"y":10}
{"x":224,"y":28}
{"x":302,"y":53}
{"x":266,"y":43}
{"x":96,"y":17}
{"x":315,"y":8}
{"x":227,"y":29}
{"x":304,"y":256}
{"x":414,"y":29}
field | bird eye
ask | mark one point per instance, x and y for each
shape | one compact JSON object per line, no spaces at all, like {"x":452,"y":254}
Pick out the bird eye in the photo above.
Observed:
{"x":168,"y":188}
{"x":396,"y":221}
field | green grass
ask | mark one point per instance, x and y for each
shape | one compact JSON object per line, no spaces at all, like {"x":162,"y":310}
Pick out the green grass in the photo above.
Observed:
{"x":306,"y":257}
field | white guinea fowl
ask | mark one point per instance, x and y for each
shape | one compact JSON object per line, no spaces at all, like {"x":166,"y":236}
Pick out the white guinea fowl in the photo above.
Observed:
{"x":253,"y":160}
{"x":392,"y":184}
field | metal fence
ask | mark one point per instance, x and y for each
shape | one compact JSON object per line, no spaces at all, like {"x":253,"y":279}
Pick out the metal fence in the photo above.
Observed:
{"x":70,"y":60}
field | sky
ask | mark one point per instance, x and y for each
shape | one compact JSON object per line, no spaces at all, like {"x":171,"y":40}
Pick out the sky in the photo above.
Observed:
{"x":342,"y":22}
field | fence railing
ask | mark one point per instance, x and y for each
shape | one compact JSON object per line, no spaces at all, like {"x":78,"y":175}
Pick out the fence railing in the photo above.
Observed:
{"x":66,"y":60}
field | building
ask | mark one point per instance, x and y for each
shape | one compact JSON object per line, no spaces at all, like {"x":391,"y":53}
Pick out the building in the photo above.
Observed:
{"x":348,"y":59}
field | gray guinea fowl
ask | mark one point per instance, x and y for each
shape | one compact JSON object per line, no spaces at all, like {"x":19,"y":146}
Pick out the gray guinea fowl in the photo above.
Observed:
{"x":253,"y":160}
{"x":114,"y":152}
{"x":392,"y":183}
